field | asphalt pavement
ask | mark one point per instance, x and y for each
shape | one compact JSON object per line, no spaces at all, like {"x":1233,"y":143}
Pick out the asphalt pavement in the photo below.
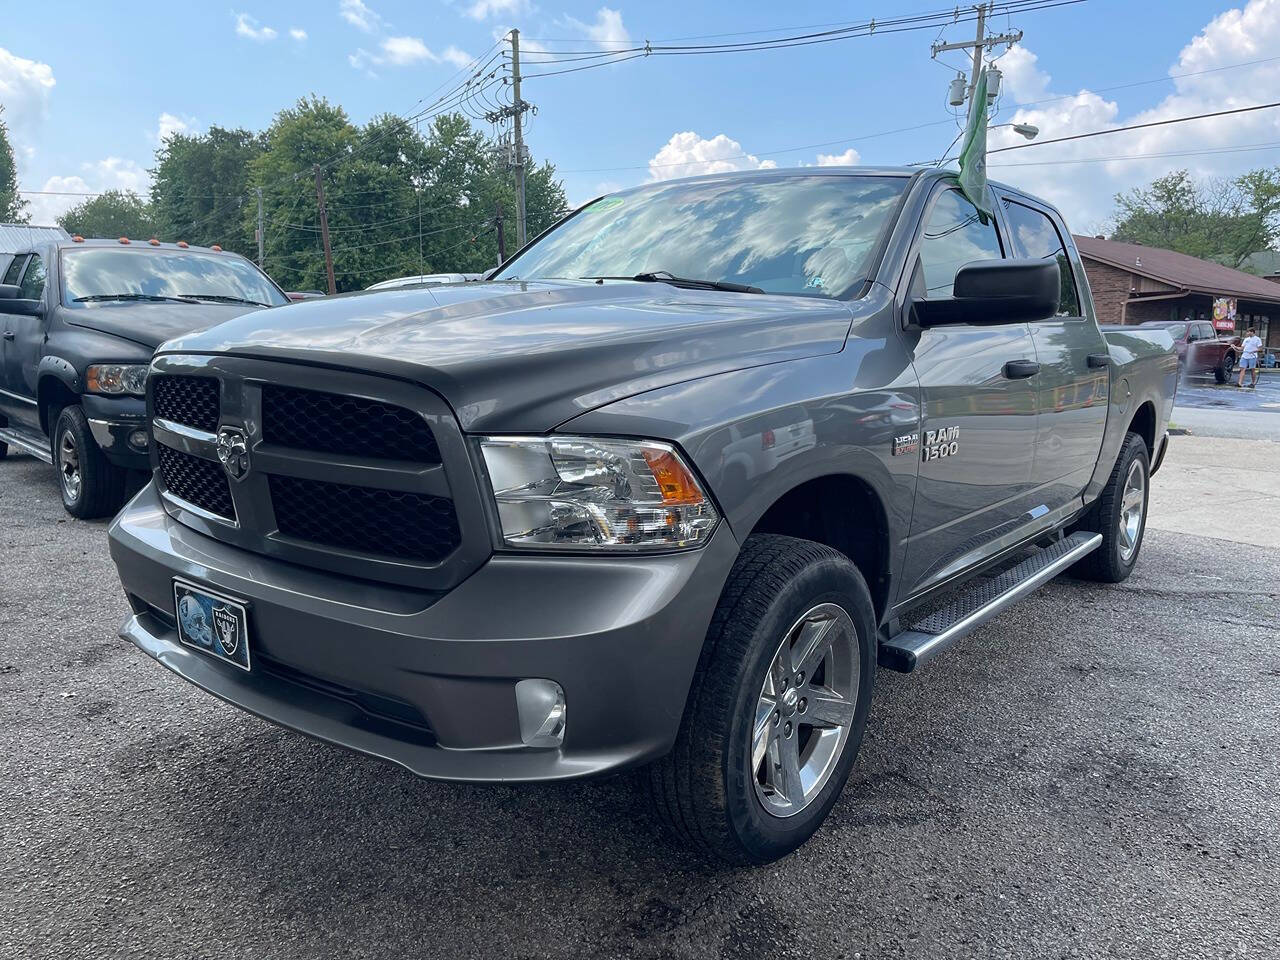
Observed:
{"x":1208,"y":409}
{"x":1093,"y":774}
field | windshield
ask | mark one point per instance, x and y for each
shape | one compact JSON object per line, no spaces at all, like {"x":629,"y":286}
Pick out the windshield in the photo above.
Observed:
{"x":98,"y":274}
{"x":802,"y":235}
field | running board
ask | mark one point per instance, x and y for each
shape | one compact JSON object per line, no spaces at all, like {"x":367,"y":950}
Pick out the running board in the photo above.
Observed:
{"x":25,"y":444}
{"x":973,"y":607}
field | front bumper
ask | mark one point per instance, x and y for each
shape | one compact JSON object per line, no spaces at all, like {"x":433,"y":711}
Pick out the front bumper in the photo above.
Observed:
{"x":119,"y":425}
{"x":428,"y":680}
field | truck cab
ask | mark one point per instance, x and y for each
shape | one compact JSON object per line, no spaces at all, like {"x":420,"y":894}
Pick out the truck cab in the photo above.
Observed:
{"x":79,"y":320}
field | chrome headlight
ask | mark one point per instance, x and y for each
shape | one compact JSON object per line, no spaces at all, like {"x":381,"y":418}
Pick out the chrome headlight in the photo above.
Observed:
{"x":588,"y":493}
{"x":117,"y":378}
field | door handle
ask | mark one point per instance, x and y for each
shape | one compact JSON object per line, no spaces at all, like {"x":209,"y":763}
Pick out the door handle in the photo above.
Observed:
{"x":1099,"y":360}
{"x":1021,"y":369}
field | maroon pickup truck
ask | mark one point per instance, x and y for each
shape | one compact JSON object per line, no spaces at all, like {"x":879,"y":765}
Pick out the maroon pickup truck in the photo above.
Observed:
{"x":1200,"y":350}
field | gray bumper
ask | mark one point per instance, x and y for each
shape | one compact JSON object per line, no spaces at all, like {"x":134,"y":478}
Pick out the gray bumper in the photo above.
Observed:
{"x":427,"y":680}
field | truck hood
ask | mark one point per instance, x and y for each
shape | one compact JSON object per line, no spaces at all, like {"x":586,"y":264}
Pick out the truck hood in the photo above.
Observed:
{"x":151,"y":324}
{"x":527,"y":356}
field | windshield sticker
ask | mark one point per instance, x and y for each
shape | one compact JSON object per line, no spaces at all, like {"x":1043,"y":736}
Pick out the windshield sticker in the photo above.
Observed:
{"x":815,"y":283}
{"x":600,"y":206}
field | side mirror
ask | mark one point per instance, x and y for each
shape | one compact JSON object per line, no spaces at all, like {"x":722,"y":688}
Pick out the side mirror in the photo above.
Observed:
{"x":996,"y":291}
{"x":11,"y":303}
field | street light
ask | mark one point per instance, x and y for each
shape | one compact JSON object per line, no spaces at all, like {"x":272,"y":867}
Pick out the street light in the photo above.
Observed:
{"x":1028,"y":130}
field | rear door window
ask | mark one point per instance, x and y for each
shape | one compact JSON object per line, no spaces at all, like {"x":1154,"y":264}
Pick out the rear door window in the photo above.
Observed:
{"x":1035,"y":236}
{"x":15,"y":269}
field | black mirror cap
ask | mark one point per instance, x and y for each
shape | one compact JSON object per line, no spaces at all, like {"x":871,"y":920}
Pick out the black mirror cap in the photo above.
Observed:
{"x":9,"y":291}
{"x":997,"y":291}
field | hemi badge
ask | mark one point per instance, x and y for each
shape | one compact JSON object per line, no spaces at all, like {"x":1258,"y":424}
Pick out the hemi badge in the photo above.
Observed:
{"x":907,"y":443}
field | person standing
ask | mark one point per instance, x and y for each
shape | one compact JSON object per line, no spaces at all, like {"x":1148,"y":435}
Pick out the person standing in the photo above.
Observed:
{"x":1249,"y":357}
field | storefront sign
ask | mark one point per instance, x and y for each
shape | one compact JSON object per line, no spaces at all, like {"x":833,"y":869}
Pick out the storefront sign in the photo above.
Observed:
{"x":1224,"y":313}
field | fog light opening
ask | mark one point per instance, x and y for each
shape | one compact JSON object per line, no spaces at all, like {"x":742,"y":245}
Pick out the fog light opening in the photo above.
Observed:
{"x":543,"y":713}
{"x":138,"y":440}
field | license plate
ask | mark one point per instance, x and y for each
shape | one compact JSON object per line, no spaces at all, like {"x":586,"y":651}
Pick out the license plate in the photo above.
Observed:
{"x":212,"y":623}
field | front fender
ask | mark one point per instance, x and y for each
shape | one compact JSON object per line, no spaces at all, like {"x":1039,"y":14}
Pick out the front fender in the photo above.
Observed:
{"x":844,"y":410}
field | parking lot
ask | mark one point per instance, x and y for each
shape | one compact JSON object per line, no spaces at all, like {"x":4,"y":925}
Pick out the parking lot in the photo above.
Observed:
{"x":1092,"y":774}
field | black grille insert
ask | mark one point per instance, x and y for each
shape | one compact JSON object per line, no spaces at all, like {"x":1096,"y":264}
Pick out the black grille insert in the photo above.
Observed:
{"x":196,"y":480}
{"x":192,"y":401}
{"x":354,"y":426}
{"x":393,"y":523}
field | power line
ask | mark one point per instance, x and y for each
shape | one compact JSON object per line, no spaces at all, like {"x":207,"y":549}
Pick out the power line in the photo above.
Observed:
{"x":1212,"y":151}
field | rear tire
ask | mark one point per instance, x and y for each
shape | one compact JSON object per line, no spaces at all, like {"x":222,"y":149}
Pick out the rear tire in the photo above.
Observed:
{"x":91,"y":486}
{"x":720,"y":790}
{"x":1112,"y":515}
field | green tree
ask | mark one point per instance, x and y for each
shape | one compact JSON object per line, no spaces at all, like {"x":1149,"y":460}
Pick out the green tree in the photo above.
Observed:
{"x":1224,"y":220}
{"x":116,"y":213}
{"x":13,"y":209}
{"x":200,"y":188}
{"x":399,"y":201}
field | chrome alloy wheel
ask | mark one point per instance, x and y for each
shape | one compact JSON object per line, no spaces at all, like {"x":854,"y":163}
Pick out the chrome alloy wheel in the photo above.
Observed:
{"x":69,"y":465}
{"x":1132,"y":503}
{"x":805,"y":710}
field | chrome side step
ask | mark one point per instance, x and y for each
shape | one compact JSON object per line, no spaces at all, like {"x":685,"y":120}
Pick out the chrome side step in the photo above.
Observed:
{"x":973,"y":607}
{"x":26,"y":444}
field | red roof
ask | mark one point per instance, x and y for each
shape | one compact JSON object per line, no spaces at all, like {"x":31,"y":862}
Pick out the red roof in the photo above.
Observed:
{"x":1180,"y":269}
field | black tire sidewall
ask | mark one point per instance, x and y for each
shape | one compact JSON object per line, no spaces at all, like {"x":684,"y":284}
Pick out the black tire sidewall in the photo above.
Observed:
{"x":763,"y":836}
{"x":1135,"y":449}
{"x":101,"y":483}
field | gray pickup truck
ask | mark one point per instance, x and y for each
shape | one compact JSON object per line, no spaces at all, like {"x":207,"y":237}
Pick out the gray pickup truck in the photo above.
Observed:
{"x":80,"y":319}
{"x":666,"y":490}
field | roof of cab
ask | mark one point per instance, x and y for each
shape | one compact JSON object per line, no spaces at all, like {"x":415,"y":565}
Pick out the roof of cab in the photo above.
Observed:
{"x":143,"y":242}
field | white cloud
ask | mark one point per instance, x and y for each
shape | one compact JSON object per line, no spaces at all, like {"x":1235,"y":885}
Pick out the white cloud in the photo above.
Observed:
{"x":247,"y":26}
{"x":168,"y":124}
{"x":607,"y":30}
{"x":25,"y":86}
{"x":850,"y":158}
{"x":298,"y":33}
{"x":404,"y":52}
{"x":111,"y":173}
{"x":1084,"y":190}
{"x":359,"y":15}
{"x":687,"y":154}
{"x":401,"y":51}
{"x":483,"y":9}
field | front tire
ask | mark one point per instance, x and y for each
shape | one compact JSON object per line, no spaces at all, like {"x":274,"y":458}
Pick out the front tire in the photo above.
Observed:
{"x":1120,"y":515}
{"x":91,"y":486}
{"x":778,"y":707}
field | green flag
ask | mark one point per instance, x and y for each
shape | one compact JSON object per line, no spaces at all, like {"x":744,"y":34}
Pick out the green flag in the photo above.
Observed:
{"x":973,"y":152}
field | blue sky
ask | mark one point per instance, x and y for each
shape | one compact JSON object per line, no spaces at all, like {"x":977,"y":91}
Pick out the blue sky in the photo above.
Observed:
{"x":89,"y":88}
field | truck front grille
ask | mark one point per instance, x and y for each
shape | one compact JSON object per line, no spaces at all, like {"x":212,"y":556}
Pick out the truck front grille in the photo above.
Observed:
{"x":191,"y":401}
{"x":196,"y":480}
{"x":392,"y":523}
{"x":349,"y":426}
{"x":357,"y":474}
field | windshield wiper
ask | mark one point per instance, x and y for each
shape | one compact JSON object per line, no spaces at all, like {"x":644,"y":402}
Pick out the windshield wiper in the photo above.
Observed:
{"x":152,"y":297}
{"x":664,"y":276}
{"x":223,"y":298}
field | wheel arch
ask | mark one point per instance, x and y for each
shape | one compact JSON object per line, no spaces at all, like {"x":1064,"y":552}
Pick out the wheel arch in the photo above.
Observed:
{"x":1143,"y":423}
{"x":839,"y":510}
{"x":53,"y":392}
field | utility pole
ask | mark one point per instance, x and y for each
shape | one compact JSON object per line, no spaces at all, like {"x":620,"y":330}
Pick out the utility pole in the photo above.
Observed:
{"x":517,"y":155}
{"x":980,"y":43}
{"x":324,"y":230}
{"x":261,"y":236}
{"x":502,"y":240}
{"x":519,"y":137}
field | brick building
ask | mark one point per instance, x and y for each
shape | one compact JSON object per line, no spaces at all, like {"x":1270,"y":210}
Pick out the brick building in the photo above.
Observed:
{"x":1132,"y":283}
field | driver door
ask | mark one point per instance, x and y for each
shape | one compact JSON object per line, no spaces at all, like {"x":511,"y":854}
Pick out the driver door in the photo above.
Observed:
{"x":977,"y":438}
